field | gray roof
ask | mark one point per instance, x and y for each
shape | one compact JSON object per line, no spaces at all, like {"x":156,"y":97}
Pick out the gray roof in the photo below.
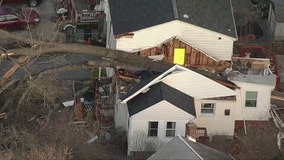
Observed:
{"x":182,"y":148}
{"x":132,"y":15}
{"x":158,"y":93}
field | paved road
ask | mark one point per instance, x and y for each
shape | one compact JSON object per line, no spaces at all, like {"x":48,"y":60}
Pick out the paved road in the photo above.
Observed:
{"x":44,"y":29}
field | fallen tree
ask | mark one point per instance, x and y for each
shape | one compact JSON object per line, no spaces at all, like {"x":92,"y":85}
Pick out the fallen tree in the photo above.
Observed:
{"x":114,"y":57}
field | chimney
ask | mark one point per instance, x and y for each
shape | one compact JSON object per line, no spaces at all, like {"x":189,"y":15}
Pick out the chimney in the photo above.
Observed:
{"x":191,"y":130}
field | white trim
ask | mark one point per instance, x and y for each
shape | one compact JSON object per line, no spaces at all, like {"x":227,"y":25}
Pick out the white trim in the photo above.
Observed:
{"x":189,"y":147}
{"x":149,"y":84}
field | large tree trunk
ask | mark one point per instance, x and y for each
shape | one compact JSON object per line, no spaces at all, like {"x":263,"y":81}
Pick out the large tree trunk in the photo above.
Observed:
{"x":114,"y":57}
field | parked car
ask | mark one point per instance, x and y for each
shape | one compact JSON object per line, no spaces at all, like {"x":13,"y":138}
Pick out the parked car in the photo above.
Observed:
{"x":17,"y":19}
{"x":31,"y":3}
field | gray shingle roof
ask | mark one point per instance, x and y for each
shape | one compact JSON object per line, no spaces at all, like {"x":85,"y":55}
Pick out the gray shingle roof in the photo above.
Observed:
{"x":215,"y":15}
{"x":157,"y":93}
{"x":132,"y":15}
{"x":182,"y":148}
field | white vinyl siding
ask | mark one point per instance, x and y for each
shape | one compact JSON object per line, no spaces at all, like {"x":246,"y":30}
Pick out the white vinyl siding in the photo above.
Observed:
{"x":217,"y":123}
{"x":261,"y":111}
{"x":200,"y":87}
{"x":120,"y":113}
{"x":212,"y":43}
{"x":162,"y":113}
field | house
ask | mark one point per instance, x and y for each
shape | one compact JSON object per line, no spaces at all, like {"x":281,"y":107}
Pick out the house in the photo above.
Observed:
{"x":138,"y":25}
{"x":183,"y":148}
{"x":276,"y":20}
{"x":156,"y":110}
{"x":256,"y":82}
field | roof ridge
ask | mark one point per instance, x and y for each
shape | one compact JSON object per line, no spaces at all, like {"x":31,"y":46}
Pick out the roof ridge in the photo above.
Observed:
{"x":189,"y":147}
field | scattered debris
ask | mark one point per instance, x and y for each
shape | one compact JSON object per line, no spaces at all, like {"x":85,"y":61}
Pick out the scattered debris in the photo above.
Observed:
{"x":3,"y":115}
{"x":68,"y":103}
{"x":92,"y":139}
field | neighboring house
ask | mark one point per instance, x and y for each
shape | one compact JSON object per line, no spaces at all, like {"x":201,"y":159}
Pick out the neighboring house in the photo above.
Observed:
{"x":156,"y":110}
{"x":183,"y":148}
{"x":256,"y":81}
{"x":179,"y":52}
{"x":137,"y":25}
{"x":276,"y":20}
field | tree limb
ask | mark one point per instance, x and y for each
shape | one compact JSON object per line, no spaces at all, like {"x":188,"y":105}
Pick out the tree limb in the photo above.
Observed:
{"x":61,"y":48}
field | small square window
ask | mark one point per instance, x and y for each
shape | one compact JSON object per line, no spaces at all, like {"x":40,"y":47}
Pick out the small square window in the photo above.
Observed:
{"x":251,"y":99}
{"x":227,"y":112}
{"x":171,"y":129}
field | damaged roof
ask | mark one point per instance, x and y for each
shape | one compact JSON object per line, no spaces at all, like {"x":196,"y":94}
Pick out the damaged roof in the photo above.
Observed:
{"x":132,"y":15}
{"x":158,"y":93}
{"x":185,"y":80}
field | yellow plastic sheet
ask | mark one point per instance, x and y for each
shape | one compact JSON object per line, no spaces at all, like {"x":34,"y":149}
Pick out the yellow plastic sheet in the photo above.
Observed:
{"x":179,"y":56}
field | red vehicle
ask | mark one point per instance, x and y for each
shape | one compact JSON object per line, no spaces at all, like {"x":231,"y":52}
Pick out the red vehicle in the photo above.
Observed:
{"x":79,"y":13}
{"x":15,"y":19}
{"x":31,"y":3}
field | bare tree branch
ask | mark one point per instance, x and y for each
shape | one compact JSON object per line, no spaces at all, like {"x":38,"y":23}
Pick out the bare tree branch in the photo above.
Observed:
{"x":63,"y":48}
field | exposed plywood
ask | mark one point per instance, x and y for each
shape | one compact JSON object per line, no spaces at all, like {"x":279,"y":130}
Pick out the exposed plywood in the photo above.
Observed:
{"x":193,"y":56}
{"x":251,"y":63}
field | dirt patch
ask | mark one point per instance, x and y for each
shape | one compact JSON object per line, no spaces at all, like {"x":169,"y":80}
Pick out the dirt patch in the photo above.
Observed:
{"x":260,"y":143}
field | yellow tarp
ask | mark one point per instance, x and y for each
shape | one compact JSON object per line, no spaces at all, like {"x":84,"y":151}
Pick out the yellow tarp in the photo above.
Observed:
{"x":179,"y":56}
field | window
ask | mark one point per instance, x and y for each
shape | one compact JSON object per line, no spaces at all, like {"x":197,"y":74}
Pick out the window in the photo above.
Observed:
{"x":11,"y":18}
{"x":227,"y":112}
{"x":153,"y":129}
{"x":251,"y":99}
{"x":207,"y":108}
{"x":2,"y":18}
{"x":171,"y":129}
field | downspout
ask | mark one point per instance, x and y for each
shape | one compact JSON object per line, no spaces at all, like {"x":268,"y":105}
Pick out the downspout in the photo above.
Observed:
{"x":129,"y":130}
{"x":244,"y":121}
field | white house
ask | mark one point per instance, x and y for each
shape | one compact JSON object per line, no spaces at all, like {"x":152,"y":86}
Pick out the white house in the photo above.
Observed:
{"x":135,"y":25}
{"x":256,"y":83}
{"x":276,"y":20}
{"x":158,"y":109}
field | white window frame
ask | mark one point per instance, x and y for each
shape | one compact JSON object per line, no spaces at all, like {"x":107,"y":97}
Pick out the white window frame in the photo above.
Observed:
{"x":250,"y":99}
{"x":171,"y":130}
{"x":208,"y":106}
{"x":152,"y":129}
